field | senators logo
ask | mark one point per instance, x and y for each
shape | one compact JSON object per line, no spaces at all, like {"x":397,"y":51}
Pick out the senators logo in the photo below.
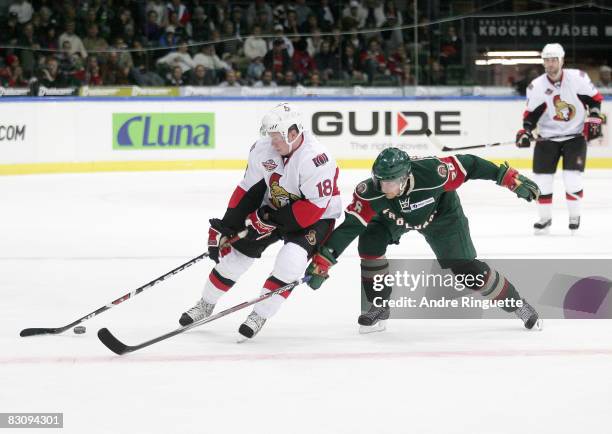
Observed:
{"x":311,"y":237}
{"x":564,"y":111}
{"x":280,"y":196}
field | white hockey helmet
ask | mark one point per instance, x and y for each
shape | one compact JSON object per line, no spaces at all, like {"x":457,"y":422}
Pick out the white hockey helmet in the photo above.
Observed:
{"x":553,"y":50}
{"x":280,"y":119}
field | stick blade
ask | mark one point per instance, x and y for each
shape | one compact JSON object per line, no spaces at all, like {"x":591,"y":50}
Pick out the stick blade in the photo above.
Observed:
{"x":37,"y":331}
{"x":111,"y":342}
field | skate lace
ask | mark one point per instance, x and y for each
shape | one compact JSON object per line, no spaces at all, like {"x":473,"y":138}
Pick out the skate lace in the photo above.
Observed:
{"x":200,"y":310}
{"x":255,"y":321}
{"x":374,"y":312}
{"x":525,"y":312}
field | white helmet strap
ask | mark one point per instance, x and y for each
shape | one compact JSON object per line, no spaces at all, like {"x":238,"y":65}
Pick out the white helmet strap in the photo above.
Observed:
{"x":292,"y":142}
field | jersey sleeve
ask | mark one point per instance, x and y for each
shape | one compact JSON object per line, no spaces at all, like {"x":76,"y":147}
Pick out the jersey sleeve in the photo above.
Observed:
{"x":358,"y":214}
{"x":536,"y":105}
{"x":587,"y":92}
{"x":248,"y":195}
{"x":461,"y":168}
{"x":318,"y":184}
{"x":361,"y":209}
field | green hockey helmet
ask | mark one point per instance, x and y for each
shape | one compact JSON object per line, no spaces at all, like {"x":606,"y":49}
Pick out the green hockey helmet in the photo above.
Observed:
{"x":392,"y":165}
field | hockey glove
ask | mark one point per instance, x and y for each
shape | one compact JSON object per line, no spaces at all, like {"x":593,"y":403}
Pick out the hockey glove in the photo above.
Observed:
{"x":218,"y":236}
{"x":523,"y":138}
{"x":259,"y":225}
{"x":319,"y":266}
{"x":522,"y":186}
{"x":592,"y":126}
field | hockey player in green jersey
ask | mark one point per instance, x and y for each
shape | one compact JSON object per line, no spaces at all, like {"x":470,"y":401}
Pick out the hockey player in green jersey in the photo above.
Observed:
{"x":419,"y":194}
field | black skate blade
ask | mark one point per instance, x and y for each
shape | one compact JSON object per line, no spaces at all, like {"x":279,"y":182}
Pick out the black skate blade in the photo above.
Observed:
{"x":365,"y":321}
{"x":531,"y":322}
{"x":111,"y":342}
{"x":185,"y":320}
{"x":246,"y":331}
{"x":534,"y":324}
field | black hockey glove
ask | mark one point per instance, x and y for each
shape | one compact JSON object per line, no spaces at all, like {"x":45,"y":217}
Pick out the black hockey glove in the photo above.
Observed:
{"x":592,"y":126}
{"x":523,"y":138}
{"x":259,"y":224}
{"x":218,"y":236}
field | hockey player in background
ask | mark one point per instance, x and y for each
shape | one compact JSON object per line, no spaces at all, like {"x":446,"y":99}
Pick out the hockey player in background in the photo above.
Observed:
{"x":288,"y":193}
{"x":419,"y":194}
{"x":566,"y":108}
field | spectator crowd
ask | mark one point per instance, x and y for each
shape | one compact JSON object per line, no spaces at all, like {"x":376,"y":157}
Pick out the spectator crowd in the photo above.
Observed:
{"x":205,"y":43}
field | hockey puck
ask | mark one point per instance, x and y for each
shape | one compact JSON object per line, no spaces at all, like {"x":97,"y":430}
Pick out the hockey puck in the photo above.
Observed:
{"x":79,"y":330}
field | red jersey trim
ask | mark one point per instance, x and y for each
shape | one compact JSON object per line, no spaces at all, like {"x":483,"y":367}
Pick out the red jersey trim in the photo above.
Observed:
{"x":306,"y":213}
{"x":456,"y":173}
{"x":361,"y":209}
{"x":236,"y":197}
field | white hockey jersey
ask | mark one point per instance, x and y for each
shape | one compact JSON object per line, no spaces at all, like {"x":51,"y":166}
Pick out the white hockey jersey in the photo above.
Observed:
{"x":306,"y":181}
{"x":559,"y":108}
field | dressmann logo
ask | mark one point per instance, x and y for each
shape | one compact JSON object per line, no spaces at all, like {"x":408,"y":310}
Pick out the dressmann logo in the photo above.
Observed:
{"x":409,"y":123}
{"x":163,"y":130}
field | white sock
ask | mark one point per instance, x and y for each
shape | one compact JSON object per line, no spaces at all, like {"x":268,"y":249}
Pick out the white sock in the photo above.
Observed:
{"x":573,"y":186}
{"x":545,"y":211}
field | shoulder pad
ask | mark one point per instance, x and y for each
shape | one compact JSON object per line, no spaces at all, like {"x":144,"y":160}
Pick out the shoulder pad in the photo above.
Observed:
{"x":429,"y":173}
{"x":261,"y":143}
{"x":365,"y":190}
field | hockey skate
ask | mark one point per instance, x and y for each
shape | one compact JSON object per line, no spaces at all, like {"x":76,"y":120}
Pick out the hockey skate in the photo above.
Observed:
{"x":542,"y":227}
{"x":200,"y":311}
{"x":251,"y":326}
{"x":574,"y":224}
{"x":374,"y":320}
{"x":529,"y":316}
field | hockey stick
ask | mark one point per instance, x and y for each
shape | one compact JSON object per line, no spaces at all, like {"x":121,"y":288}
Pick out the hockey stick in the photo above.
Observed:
{"x":57,"y":330}
{"x":118,"y":347}
{"x":434,"y":140}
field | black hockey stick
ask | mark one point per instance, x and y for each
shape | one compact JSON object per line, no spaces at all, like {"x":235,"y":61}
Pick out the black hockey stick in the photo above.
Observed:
{"x":133,"y":293}
{"x":118,"y":347}
{"x":434,"y":140}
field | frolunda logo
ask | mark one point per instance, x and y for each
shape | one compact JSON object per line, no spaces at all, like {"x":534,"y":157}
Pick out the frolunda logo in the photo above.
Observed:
{"x":163,"y":130}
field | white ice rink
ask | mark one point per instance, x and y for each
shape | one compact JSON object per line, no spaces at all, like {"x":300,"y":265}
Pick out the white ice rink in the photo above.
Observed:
{"x":71,"y":243}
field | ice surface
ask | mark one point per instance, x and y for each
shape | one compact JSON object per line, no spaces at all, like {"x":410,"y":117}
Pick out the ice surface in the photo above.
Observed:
{"x":71,"y":243}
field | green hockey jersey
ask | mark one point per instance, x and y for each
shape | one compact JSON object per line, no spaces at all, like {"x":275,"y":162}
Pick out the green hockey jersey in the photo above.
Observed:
{"x":429,"y":197}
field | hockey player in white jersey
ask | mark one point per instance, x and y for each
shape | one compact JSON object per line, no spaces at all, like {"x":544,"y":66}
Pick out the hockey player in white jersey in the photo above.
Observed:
{"x":288,"y":193}
{"x":566,"y":108}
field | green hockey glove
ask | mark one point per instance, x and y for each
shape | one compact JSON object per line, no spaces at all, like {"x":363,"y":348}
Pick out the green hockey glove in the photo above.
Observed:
{"x":318,"y":270}
{"x":522,"y":186}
